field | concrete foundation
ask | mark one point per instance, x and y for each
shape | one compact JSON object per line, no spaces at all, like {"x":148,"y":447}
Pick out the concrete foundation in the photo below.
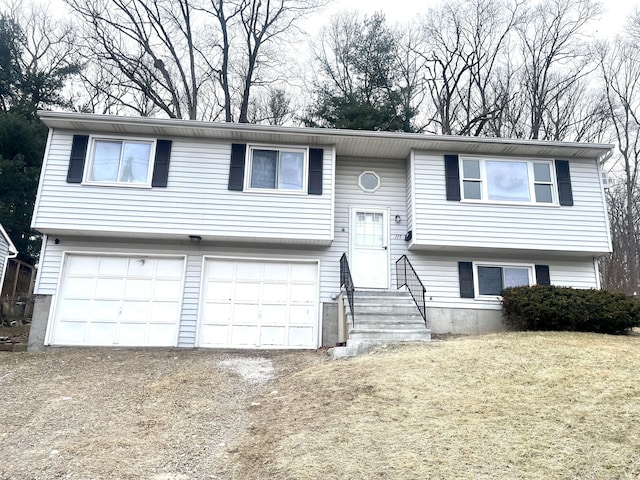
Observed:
{"x":41,"y":308}
{"x":465,"y":321}
{"x":329,"y":324}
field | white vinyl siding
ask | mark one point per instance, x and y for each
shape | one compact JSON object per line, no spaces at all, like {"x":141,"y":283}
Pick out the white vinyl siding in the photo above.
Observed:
{"x":440,"y":277}
{"x":196,"y":201}
{"x":440,"y":224}
{"x":4,"y":253}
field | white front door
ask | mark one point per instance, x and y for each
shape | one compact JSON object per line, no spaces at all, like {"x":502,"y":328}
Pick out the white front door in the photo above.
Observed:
{"x":369,"y":259}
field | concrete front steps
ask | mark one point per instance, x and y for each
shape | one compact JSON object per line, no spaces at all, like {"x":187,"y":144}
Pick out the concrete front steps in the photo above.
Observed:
{"x":381,"y":317}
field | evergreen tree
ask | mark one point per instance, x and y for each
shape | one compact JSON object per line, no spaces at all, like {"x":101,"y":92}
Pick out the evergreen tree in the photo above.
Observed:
{"x":359,"y":88}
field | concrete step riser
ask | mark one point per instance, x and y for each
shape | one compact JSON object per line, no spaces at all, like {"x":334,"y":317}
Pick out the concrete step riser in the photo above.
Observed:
{"x":361,"y":310}
{"x":386,"y":336}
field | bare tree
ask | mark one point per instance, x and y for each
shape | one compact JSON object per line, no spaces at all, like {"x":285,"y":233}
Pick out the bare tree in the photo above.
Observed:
{"x":45,"y":55}
{"x":555,"y":56}
{"x":620,"y":69}
{"x":190,"y":58}
{"x":463,"y":47}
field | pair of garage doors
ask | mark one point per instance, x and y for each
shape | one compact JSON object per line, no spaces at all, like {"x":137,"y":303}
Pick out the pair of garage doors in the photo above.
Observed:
{"x":137,"y":301}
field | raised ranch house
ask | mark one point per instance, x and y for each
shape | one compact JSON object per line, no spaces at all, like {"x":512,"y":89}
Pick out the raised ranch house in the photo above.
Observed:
{"x":182,"y":233}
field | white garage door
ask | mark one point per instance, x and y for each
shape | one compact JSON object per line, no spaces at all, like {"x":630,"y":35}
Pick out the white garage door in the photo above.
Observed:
{"x":113,"y":300}
{"x":259,"y":304}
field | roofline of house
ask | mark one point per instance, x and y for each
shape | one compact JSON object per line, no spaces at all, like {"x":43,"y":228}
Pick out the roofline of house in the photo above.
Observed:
{"x":240,"y":131}
{"x":13,"y":251}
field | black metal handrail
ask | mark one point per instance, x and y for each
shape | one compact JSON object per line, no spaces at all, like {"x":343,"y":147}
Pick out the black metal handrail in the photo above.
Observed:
{"x":407,"y":276}
{"x":347,"y":282}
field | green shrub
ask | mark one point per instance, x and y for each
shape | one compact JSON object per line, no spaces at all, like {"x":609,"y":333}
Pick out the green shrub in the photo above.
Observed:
{"x":562,"y":308}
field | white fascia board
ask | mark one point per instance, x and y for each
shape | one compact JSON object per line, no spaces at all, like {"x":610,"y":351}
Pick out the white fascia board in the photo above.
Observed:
{"x":13,"y":251}
{"x":320,"y":136}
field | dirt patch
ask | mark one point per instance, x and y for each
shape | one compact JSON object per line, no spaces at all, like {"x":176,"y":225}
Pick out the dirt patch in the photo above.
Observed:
{"x":132,"y":414}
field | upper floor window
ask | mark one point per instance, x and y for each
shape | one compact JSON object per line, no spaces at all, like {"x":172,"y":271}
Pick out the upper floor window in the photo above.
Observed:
{"x":527,"y":181}
{"x":122,"y":162}
{"x":277,"y":169}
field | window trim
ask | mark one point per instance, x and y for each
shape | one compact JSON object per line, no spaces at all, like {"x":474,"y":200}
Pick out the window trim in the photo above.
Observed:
{"x":530,"y":174}
{"x":531,"y":267}
{"x":369,"y":190}
{"x":113,"y":138}
{"x":248,"y":164}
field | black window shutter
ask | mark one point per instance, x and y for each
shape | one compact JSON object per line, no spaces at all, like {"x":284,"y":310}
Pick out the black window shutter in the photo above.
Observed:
{"x":236,"y":169}
{"x":565,"y":194}
{"x":452,"y":176}
{"x":78,"y":155}
{"x":542,"y":275}
{"x":315,"y":171}
{"x":465,"y":275}
{"x":161,"y":164}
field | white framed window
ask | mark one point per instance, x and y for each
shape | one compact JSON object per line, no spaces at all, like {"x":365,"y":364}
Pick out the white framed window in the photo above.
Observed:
{"x":491,"y":279}
{"x":277,"y":169}
{"x":369,"y":181}
{"x":508,"y":180}
{"x":116,"y":161}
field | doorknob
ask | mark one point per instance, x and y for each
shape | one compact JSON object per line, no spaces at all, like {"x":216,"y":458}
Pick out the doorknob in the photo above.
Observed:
{"x":385,"y":247}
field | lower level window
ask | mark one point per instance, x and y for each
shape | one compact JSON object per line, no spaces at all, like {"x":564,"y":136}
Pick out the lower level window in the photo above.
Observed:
{"x":493,"y":279}
{"x":277,"y":169}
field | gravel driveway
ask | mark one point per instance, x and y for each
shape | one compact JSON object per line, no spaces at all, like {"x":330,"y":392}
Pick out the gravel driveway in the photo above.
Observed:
{"x":164,"y":414}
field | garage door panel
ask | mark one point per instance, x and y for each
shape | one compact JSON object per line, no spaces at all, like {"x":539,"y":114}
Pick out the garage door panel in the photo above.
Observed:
{"x":247,"y":292}
{"x":114,"y":300}
{"x":81,"y":265}
{"x":113,"y":266}
{"x":257,"y":303}
{"x":275,"y":314}
{"x":244,"y":335}
{"x":215,"y":335}
{"x":170,"y":267}
{"x":109,"y":288}
{"x":249,"y":270}
{"x":165,"y":312}
{"x":217,"y":312}
{"x":303,"y":293}
{"x":160,"y":335}
{"x":277,"y":271}
{"x":71,"y":333}
{"x":167,"y":289}
{"x":303,"y":272}
{"x":224,"y":269}
{"x":276,"y":292}
{"x":78,"y":287}
{"x":138,"y":288}
{"x":300,"y":336}
{"x":101,"y":333}
{"x":106,"y":310}
{"x":75,"y":309}
{"x":245,"y":314}
{"x":219,"y":290}
{"x":272,"y":336}
{"x":303,"y":314}
{"x":141,"y":267}
{"x":134,"y":311}
{"x":132,"y":334}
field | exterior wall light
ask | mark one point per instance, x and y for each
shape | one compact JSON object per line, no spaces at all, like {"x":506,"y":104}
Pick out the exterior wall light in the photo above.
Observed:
{"x":195,"y":239}
{"x":397,"y":218}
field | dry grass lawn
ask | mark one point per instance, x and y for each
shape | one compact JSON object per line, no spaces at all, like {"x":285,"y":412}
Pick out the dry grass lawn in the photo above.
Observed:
{"x":509,"y":406}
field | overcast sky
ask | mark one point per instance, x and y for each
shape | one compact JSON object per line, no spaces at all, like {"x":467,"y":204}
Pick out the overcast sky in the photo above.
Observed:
{"x":615,"y":15}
